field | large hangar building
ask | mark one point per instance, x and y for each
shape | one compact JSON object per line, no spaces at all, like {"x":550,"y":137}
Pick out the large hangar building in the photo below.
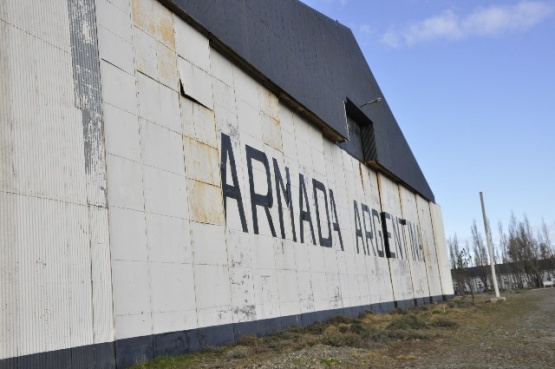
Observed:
{"x":177,"y":174}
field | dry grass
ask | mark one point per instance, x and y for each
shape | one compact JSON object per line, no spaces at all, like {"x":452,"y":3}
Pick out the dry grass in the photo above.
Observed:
{"x":443,"y":335}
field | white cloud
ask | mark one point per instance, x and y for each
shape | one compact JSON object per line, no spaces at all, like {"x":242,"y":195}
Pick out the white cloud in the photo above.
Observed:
{"x":490,"y":21}
{"x":366,"y":29}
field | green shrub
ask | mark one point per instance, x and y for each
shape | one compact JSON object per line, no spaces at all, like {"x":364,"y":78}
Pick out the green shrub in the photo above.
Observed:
{"x":408,"y":322}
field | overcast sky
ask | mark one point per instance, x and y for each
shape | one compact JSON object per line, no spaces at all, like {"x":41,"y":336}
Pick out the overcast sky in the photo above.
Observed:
{"x":472,"y":85}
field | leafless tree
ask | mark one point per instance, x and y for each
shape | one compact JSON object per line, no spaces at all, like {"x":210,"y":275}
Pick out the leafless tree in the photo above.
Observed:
{"x":503,"y":244}
{"x":546,"y":247}
{"x":453,"y":244}
{"x":480,"y":253}
{"x":525,"y":251}
{"x":460,"y":261}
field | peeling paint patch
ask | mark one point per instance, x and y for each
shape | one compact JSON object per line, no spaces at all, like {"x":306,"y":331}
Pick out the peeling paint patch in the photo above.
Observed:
{"x":87,"y":92}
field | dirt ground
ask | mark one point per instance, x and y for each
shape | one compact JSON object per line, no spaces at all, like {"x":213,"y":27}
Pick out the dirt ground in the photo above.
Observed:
{"x":518,"y":333}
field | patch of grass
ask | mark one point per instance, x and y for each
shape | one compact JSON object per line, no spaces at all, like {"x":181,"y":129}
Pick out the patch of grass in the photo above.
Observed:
{"x":236,"y":353}
{"x":408,"y":322}
{"x":164,"y":362}
{"x":288,"y":334}
{"x":214,"y":350}
{"x":334,"y":337}
{"x":406,"y":357}
{"x":404,"y":335}
{"x":371,"y":331}
{"x":444,"y":323}
{"x":248,"y":341}
{"x":317,"y":328}
{"x":336,"y":320}
{"x":330,"y":362}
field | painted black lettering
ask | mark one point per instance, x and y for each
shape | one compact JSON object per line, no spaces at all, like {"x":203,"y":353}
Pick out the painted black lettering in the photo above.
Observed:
{"x":368,"y":232}
{"x":286,"y":190}
{"x":379,"y":238}
{"x":231,"y":191}
{"x":387,"y":236}
{"x":335,"y":219}
{"x":264,"y":201}
{"x":398,"y":235}
{"x":415,"y":242}
{"x":319,"y":186}
{"x":412,"y":242}
{"x":304,"y":214}
{"x":358,"y":229}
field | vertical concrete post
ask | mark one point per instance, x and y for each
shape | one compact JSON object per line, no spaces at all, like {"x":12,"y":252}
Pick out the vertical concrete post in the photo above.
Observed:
{"x":490,"y":250}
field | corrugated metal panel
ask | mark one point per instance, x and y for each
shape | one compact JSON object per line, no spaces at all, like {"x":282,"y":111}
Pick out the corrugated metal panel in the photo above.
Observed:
{"x":430,"y":256}
{"x":87,"y":90}
{"x":47,"y":22}
{"x":42,"y":121}
{"x":54,"y":257}
{"x":412,"y":240}
{"x":441,"y":249}
{"x":9,"y":334}
{"x":86,"y":75}
{"x":101,"y":273}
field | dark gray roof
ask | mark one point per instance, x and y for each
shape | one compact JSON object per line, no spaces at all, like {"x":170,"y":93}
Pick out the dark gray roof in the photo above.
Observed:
{"x":314,"y":61}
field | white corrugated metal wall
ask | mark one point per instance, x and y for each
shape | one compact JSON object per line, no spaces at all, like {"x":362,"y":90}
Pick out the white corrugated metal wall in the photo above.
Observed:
{"x":175,"y":259}
{"x":55,"y":289}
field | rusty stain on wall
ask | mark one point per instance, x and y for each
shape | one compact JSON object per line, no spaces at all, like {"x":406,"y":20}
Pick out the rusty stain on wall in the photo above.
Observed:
{"x":271,"y":132}
{"x":205,"y":203}
{"x":202,"y":162}
{"x":155,"y":19}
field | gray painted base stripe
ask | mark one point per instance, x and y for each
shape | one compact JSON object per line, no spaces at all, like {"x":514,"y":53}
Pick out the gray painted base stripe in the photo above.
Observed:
{"x":124,"y":353}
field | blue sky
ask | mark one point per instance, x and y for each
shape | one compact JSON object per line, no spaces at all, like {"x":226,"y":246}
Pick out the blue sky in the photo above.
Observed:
{"x":472,"y":85}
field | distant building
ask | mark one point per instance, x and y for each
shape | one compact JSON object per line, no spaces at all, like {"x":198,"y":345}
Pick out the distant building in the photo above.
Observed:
{"x":509,"y":277}
{"x":178,"y":174}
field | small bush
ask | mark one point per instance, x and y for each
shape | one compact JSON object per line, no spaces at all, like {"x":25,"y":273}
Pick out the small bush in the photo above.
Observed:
{"x":289,"y":334}
{"x":340,"y":319}
{"x":276,"y":345}
{"x":316,"y":328}
{"x":403,"y":335}
{"x":344,"y":328}
{"x":214,"y":350}
{"x":248,"y":341}
{"x":236,"y":353}
{"x":408,"y":322}
{"x":400,"y":311}
{"x":357,"y":327}
{"x":444,"y":323}
{"x":334,"y":337}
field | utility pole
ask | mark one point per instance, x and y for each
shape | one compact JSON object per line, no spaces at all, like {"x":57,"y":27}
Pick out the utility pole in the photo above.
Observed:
{"x":490,"y":250}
